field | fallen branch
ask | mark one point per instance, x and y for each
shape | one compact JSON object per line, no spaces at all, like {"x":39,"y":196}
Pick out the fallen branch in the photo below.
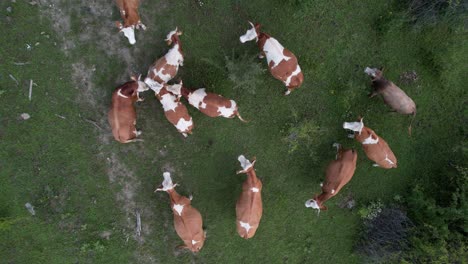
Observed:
{"x":14,"y":79}
{"x":92,"y":122}
{"x":61,"y":116}
{"x":138,"y":225}
{"x":30,"y":89}
{"x":21,"y":63}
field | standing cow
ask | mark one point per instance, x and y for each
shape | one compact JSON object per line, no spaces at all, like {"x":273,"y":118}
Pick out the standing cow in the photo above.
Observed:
{"x":165,"y":68}
{"x":392,"y":95}
{"x":211,"y":104}
{"x":188,"y":221}
{"x":374,"y":146}
{"x":339,"y":173}
{"x":122,"y":114}
{"x":281,"y":62}
{"x":249,"y":205}
{"x":129,"y":12}
{"x":175,"y":111}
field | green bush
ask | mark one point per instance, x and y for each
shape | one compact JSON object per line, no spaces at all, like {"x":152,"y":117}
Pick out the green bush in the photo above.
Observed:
{"x":429,"y":12}
{"x":305,"y":136}
{"x":245,"y":72}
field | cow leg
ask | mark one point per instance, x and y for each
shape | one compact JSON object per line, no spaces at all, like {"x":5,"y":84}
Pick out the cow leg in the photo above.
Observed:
{"x":287,"y":92}
{"x":142,"y":25}
{"x":261,"y":55}
{"x":375,"y":165}
{"x":350,"y":135}
{"x":374,"y":93}
{"x":184,"y":134}
{"x":137,"y":132}
{"x":134,"y":140}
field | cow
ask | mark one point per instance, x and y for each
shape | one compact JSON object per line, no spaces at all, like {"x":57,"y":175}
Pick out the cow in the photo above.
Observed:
{"x":339,"y":173}
{"x":282,"y":63}
{"x":129,"y":13}
{"x":175,"y":111}
{"x":122,"y":114}
{"x":392,"y":95}
{"x":374,"y":146}
{"x":188,"y":221}
{"x":165,"y":68}
{"x":211,"y":104}
{"x":249,"y":205}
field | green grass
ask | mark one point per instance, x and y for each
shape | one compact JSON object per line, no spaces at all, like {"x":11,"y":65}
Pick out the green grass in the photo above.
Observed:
{"x":60,"y":165}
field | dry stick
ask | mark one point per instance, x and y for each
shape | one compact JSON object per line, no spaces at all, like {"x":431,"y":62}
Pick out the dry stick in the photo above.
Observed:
{"x":30,"y":89}
{"x":14,"y":79}
{"x":21,"y":63}
{"x":138,"y":226}
{"x":61,"y":116}
{"x":92,"y":122}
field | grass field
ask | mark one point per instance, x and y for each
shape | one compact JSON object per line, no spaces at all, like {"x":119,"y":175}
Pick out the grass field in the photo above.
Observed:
{"x":86,"y":188}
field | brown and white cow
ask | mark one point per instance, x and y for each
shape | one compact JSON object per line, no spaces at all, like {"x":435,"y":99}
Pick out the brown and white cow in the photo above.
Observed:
{"x":122,"y":114}
{"x":129,"y":13}
{"x":175,"y":111}
{"x":374,"y":146}
{"x":281,"y":62}
{"x":249,"y":205}
{"x":211,"y":104}
{"x":339,"y":173}
{"x":165,"y":68}
{"x":188,"y":221}
{"x":392,"y":95}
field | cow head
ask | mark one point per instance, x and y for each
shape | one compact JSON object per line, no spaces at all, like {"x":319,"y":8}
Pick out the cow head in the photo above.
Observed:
{"x":315,"y":204}
{"x":153,"y":85}
{"x":173,"y":36}
{"x":374,"y":73}
{"x":166,"y":184}
{"x":354,"y":126}
{"x":142,"y":87}
{"x":246,"y":165}
{"x":129,"y":32}
{"x":251,"y":34}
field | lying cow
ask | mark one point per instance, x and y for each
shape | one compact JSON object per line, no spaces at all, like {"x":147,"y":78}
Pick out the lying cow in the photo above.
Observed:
{"x":165,"y":68}
{"x":339,"y":173}
{"x":129,"y":12}
{"x":374,"y":146}
{"x":211,"y":104}
{"x":122,"y":114}
{"x":281,"y":62}
{"x":188,"y":221}
{"x":392,"y":95}
{"x":175,"y":111}
{"x":249,"y":205}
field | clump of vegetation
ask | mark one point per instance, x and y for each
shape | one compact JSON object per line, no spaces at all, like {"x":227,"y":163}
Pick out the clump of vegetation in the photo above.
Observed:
{"x":245,"y":72}
{"x":427,"y":12}
{"x":304,"y":136}
{"x":384,"y":234}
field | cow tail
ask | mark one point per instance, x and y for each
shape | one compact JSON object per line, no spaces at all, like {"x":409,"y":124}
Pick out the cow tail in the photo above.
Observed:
{"x":411,"y":123}
{"x":240,"y":117}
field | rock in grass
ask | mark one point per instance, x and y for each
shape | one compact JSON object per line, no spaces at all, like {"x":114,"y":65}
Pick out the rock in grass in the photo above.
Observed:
{"x":25,"y":116}
{"x":30,"y":208}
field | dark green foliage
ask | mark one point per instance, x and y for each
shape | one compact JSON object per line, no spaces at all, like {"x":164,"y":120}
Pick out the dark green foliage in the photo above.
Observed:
{"x":429,"y":12}
{"x":245,"y":72}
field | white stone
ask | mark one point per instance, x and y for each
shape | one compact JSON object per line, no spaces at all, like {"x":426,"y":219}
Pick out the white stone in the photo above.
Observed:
{"x":25,"y":116}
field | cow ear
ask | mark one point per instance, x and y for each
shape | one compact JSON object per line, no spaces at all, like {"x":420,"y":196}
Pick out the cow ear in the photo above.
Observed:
{"x":118,"y":24}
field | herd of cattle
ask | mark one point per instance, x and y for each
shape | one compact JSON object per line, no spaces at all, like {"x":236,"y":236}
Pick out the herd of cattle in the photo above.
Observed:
{"x":283,"y":66}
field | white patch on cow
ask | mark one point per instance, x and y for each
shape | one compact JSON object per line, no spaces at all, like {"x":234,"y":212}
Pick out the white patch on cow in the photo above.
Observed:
{"x":371,"y":71}
{"x":389,"y":160}
{"x":294,"y":73}
{"x":175,"y":89}
{"x":251,"y":34}
{"x":165,"y":77}
{"x":196,"y":98}
{"x":129,"y":32}
{"x":333,"y":191}
{"x":227,"y":112}
{"x":247,"y":226}
{"x":170,"y":34}
{"x":375,"y":165}
{"x":174,"y":57}
{"x":370,"y":140}
{"x":178,"y":208}
{"x":255,"y":190}
{"x":321,"y":184}
{"x":274,"y":52}
{"x":354,"y":126}
{"x":120,"y":94}
{"x":183,"y":125}
{"x":153,"y":85}
{"x":169,"y":102}
{"x":245,"y":163}
{"x":194,"y":242}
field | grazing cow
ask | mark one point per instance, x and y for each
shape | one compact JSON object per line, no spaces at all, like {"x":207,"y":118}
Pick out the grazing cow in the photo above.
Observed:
{"x":374,"y":146}
{"x":129,"y":12}
{"x":339,"y":173}
{"x":188,"y":221}
{"x":175,"y":111}
{"x":211,"y":104}
{"x":281,"y":62}
{"x":249,"y":205}
{"x":392,"y":95}
{"x":122,"y":114}
{"x":165,"y":68}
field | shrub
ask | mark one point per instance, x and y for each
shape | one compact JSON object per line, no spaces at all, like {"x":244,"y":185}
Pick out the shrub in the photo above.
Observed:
{"x":305,"y":135}
{"x":245,"y":72}
{"x":428,"y":12}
